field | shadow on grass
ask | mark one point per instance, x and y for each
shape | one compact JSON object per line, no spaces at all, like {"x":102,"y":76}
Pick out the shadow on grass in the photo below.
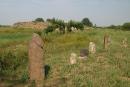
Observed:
{"x":47,"y":69}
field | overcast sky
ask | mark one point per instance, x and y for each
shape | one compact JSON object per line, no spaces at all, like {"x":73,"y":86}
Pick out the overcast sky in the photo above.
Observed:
{"x":100,"y":12}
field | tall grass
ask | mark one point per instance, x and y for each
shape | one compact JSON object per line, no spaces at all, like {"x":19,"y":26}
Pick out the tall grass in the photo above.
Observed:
{"x":103,"y":69}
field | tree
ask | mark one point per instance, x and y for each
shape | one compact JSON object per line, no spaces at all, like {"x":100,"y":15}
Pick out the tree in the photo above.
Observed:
{"x":126,"y":26}
{"x":39,"y":20}
{"x":87,"y":22}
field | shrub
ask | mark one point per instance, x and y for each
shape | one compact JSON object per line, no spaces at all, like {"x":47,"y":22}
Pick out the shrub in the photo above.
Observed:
{"x":75,"y":24}
{"x":38,"y":32}
{"x":49,"y":29}
{"x":9,"y":61}
{"x":24,"y":77}
{"x":39,"y":20}
{"x":79,"y":26}
{"x":57,"y":23}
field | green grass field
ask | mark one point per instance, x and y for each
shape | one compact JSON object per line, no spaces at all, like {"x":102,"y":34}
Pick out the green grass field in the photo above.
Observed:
{"x":109,"y":68}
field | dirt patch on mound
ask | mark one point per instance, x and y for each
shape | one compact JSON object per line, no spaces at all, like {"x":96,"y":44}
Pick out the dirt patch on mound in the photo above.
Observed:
{"x":32,"y":25}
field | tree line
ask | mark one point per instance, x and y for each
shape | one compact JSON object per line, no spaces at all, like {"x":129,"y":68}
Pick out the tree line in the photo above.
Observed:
{"x":62,"y":25}
{"x":125,"y":26}
{"x":79,"y":25}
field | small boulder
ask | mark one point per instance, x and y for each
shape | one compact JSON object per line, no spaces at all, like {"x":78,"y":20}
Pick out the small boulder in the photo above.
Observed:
{"x":83,"y":53}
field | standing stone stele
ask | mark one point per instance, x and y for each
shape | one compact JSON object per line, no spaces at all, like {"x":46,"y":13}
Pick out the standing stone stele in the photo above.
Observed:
{"x":125,"y":43}
{"x":73,"y":57}
{"x":106,"y":41}
{"x":92,"y":48}
{"x":36,"y":70}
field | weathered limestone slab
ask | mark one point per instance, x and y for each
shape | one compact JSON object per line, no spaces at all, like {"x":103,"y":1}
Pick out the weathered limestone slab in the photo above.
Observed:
{"x":107,"y":41}
{"x":73,"y":57}
{"x":36,"y":70}
{"x":92,"y":48}
{"x":125,"y":43}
